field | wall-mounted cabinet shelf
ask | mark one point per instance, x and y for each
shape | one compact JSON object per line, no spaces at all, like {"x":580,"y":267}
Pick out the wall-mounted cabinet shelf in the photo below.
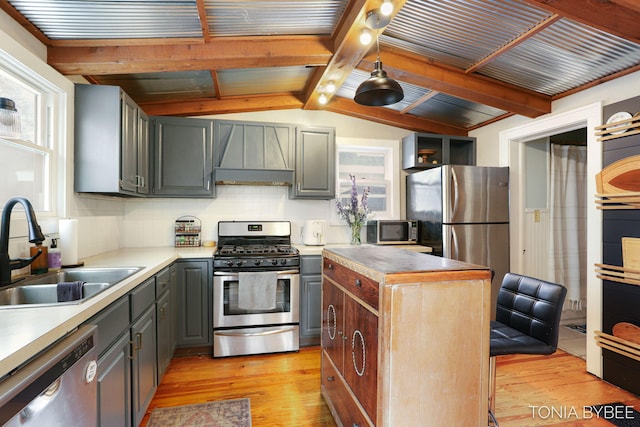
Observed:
{"x":426,"y":150}
{"x":618,"y":345}
{"x":615,"y":273}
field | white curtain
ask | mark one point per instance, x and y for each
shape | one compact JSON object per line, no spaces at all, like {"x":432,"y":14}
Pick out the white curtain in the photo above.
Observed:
{"x":568,"y":212}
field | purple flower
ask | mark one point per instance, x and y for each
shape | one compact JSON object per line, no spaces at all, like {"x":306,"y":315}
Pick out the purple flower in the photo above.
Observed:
{"x":354,"y":214}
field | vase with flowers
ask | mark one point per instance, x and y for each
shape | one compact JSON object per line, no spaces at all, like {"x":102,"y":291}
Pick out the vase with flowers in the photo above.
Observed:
{"x":356,"y":214}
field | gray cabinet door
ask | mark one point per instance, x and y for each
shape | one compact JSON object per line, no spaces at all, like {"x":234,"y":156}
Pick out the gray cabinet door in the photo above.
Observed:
{"x":114,"y":384}
{"x":195,"y":323}
{"x":183,"y":157}
{"x":143,"y":154}
{"x":144,"y":363}
{"x":310,"y":300}
{"x":129,"y":159}
{"x":314,"y":176}
{"x":107,"y":155}
{"x":164,"y":311}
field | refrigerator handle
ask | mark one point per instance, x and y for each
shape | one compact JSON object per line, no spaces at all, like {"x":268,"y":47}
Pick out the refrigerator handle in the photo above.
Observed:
{"x":454,"y":244}
{"x":454,"y":191}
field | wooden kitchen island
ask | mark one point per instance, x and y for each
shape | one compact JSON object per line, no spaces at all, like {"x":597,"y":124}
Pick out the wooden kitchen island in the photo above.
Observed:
{"x":405,"y":338}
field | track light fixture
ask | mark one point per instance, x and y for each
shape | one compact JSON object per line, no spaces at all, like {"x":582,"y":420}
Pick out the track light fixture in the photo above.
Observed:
{"x":378,"y":90}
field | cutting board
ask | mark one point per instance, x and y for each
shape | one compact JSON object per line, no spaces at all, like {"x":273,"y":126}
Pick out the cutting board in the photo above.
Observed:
{"x":627,"y":331}
{"x":631,"y":256}
{"x":619,"y":177}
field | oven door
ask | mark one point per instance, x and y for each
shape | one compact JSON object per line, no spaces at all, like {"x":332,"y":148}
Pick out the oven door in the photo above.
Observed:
{"x":229,"y":290}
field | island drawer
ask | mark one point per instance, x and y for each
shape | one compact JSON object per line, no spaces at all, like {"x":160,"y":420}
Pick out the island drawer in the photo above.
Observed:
{"x":360,"y":286}
{"x":339,"y":398}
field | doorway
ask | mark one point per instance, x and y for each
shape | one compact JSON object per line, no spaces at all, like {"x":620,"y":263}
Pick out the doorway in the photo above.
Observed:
{"x":554,"y":218}
{"x":511,"y":154}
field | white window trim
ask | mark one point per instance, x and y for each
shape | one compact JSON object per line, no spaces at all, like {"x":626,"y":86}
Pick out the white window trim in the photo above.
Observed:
{"x":57,"y":109}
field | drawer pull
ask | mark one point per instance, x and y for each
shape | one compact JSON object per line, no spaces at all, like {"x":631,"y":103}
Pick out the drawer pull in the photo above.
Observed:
{"x":331,"y":378}
{"x":359,"y":283}
{"x":330,"y":266}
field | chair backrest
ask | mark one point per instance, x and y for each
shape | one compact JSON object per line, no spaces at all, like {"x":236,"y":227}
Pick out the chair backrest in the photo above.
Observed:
{"x":531,"y":306}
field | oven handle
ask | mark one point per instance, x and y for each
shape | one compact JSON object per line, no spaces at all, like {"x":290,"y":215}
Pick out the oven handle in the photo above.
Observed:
{"x":255,"y":334}
{"x":280,"y":273}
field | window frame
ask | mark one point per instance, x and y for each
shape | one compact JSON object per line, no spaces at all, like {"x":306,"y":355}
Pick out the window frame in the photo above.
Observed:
{"x":391,"y":151}
{"x":52,"y":104}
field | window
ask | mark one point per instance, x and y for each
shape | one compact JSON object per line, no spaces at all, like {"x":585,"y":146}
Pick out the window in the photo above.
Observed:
{"x":372,"y":168}
{"x":28,"y":162}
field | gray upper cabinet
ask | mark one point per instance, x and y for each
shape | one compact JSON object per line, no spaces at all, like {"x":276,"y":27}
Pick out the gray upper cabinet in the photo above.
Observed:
{"x":182,"y":157}
{"x":315,"y":164}
{"x":111,"y":142}
{"x":251,"y":152}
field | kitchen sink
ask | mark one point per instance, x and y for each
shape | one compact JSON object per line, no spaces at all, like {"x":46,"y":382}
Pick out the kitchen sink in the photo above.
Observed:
{"x":42,"y":289}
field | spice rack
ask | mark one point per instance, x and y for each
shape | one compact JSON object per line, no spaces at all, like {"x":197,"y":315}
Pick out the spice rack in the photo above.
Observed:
{"x":187,"y":231}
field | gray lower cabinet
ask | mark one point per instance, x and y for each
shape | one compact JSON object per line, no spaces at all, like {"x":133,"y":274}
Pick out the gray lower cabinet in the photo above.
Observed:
{"x":195,"y":324}
{"x":144,"y":363}
{"x":310,"y":300}
{"x":182,"y":157}
{"x":166,"y":318}
{"x":314,"y":176}
{"x":134,"y":337}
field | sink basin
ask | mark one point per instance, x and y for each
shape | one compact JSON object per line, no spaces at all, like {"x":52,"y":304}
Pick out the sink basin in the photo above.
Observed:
{"x":42,"y":289}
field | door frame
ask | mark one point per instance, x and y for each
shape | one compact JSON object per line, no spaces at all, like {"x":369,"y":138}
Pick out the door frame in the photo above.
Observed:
{"x":511,"y":154}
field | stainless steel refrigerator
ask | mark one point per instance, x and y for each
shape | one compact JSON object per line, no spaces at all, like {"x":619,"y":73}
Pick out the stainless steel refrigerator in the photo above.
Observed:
{"x":463,"y":214}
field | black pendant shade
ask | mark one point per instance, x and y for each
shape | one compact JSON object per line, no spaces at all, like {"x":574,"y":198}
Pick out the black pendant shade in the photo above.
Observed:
{"x":378,"y":90}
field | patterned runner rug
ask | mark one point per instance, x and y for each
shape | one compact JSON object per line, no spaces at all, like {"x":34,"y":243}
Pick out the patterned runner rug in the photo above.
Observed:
{"x":222,"y":413}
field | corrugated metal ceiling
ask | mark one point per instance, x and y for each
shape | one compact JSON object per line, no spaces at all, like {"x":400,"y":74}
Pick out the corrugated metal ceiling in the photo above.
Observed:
{"x":451,"y":33}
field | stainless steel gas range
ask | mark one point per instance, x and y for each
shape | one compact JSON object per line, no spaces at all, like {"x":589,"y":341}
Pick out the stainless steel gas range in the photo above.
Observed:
{"x":256,"y":288}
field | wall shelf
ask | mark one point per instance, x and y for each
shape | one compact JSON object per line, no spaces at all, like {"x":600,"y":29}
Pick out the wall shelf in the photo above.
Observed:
{"x":618,"y":345}
{"x":619,"y":274}
{"x":614,"y":130}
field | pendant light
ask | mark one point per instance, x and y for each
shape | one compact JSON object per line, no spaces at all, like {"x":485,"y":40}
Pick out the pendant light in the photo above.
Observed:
{"x":9,"y":119}
{"x":378,"y":90}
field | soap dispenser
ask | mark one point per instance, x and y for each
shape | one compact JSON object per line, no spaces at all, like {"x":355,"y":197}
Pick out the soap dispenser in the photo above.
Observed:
{"x":40,"y":265}
{"x":55,"y":257}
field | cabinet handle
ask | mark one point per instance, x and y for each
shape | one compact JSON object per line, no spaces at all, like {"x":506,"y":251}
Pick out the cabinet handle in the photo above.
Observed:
{"x":355,"y":425}
{"x":162,"y":316}
{"x":330,"y":266}
{"x":359,"y":283}
{"x":331,"y":378}
{"x":138,"y":341}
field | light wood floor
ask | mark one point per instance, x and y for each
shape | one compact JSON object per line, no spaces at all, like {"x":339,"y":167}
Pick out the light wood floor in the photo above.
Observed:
{"x":285,"y":388}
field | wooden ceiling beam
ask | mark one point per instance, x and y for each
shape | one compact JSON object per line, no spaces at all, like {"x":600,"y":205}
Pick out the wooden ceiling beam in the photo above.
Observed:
{"x":390,"y":117}
{"x":218,"y":54}
{"x":208,"y":106}
{"x":618,"y":17}
{"x":409,"y":68}
{"x":348,"y":51}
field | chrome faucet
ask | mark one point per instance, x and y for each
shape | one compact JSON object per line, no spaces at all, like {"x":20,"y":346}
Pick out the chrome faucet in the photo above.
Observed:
{"x":35,"y":236}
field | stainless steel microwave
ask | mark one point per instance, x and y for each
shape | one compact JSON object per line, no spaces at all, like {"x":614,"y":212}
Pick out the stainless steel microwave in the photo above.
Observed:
{"x":392,"y":232}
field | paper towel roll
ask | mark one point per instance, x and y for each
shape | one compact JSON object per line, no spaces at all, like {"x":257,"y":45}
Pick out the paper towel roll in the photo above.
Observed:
{"x":68,"y":230}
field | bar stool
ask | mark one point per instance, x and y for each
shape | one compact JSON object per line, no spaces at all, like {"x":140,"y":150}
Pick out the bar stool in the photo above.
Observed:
{"x":527,"y":322}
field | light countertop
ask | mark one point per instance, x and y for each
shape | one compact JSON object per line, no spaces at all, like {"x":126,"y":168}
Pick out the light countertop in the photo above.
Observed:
{"x":24,"y":331}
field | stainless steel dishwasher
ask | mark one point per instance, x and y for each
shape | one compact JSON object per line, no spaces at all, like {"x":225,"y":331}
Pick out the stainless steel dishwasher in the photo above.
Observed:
{"x":56,"y":388}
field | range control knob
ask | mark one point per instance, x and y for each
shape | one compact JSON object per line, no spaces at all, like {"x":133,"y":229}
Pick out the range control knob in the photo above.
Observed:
{"x":257,"y":262}
{"x":283,"y":261}
{"x":274,"y":261}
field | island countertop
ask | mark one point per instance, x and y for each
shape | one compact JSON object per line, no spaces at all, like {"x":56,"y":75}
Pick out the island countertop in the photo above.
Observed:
{"x":378,"y":262}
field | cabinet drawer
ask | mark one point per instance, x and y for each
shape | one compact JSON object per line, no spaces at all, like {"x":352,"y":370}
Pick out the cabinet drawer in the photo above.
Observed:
{"x":163,"y":281}
{"x":111,"y":322}
{"x":311,"y":264}
{"x":338,"y":397}
{"x":362,"y":287}
{"x":142,"y":297}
